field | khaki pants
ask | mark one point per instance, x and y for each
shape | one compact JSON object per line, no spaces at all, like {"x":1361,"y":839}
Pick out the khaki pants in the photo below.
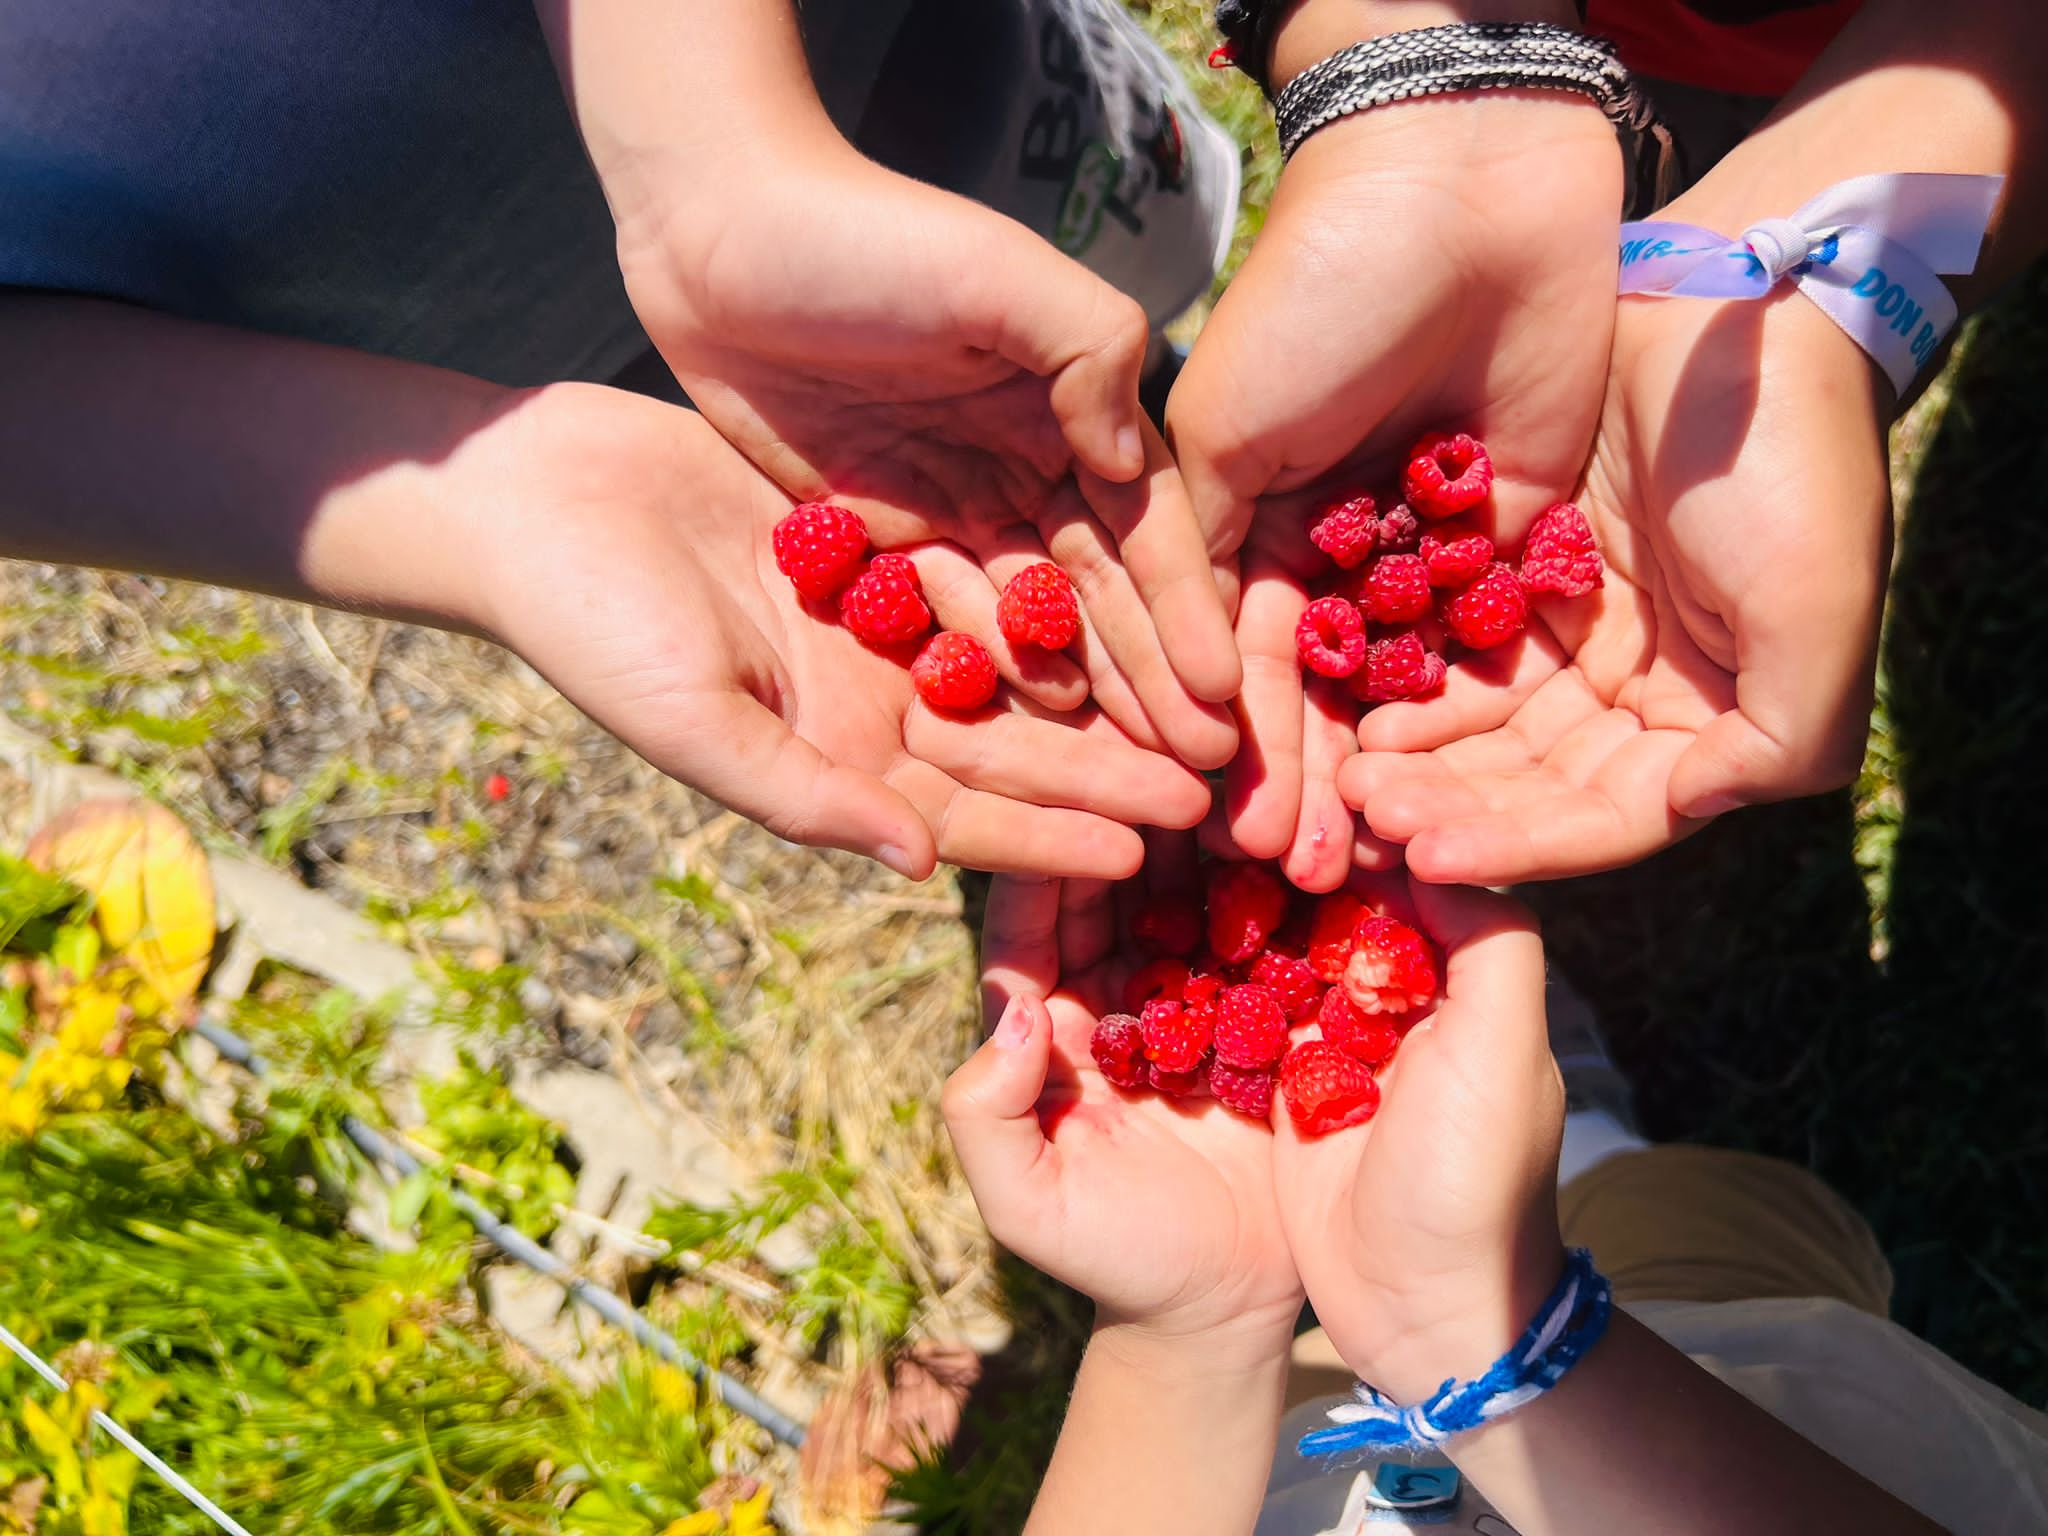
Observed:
{"x":1681,"y":1223}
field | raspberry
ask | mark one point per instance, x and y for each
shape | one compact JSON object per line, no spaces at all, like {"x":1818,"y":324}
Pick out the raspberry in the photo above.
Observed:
{"x":1401,"y":667}
{"x":1329,"y":936}
{"x":954,"y":671}
{"x":1391,"y":969}
{"x":1448,"y":473}
{"x":1346,"y":532}
{"x":885,"y":605}
{"x":497,"y":787}
{"x":1174,"y":1040}
{"x":1247,"y":1090}
{"x":1165,"y":977}
{"x":1246,"y":902}
{"x":1118,"y":1046}
{"x":1203,"y":987}
{"x":818,"y":547}
{"x":1399,"y":532}
{"x":1168,"y":925}
{"x":1397,"y":591}
{"x":1331,"y":638}
{"x":1326,"y":1089}
{"x":1191,"y":1084}
{"x":1454,"y":562}
{"x":1560,"y":556}
{"x":1038,"y":607}
{"x":1251,"y":1029}
{"x":1291,"y":981}
{"x":1489,"y":612}
{"x":1369,"y":1037}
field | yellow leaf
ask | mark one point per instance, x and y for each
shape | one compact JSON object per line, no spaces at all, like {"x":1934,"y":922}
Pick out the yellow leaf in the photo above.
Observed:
{"x":50,"y":1439}
{"x":152,"y":893}
{"x":750,"y":1516}
{"x":702,"y":1523}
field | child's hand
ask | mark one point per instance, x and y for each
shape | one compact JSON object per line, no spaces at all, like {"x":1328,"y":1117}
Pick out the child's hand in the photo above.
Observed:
{"x":1160,"y":1210}
{"x":1438,"y":263}
{"x":622,"y":549}
{"x":1427,"y":1237}
{"x":949,"y":375}
{"x":1739,"y":492}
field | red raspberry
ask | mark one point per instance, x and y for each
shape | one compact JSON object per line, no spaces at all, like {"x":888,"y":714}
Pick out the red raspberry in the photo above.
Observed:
{"x":1191,"y":1084}
{"x":885,"y":605}
{"x":1560,"y":556}
{"x":1391,"y":969}
{"x":1369,"y":1037}
{"x":1401,"y":667}
{"x":1038,"y":607}
{"x":1251,"y":1028}
{"x":1489,"y":612}
{"x":1203,"y":987}
{"x":1174,"y":1038}
{"x":1118,"y":1047}
{"x":1399,"y":532}
{"x":1397,"y":591}
{"x":1326,"y":1089}
{"x":1293,"y":983}
{"x":1247,"y":1090}
{"x":1448,"y":473}
{"x":1168,"y":925}
{"x":954,"y":671}
{"x":1331,"y":638}
{"x":1347,"y":531}
{"x":497,"y":787}
{"x":819,"y":546}
{"x":1455,"y":561}
{"x":1246,"y":903}
{"x":1329,"y":935}
{"x":1165,"y":977}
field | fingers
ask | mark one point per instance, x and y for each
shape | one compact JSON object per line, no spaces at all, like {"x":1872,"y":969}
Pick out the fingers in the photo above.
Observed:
{"x":1480,"y":693}
{"x":1201,"y":733}
{"x":1025,"y":301}
{"x":1019,"y":941}
{"x":1320,"y":856}
{"x":988,"y":831}
{"x":989,"y":1108}
{"x":962,"y":594}
{"x":763,"y":770}
{"x":1083,"y":764}
{"x":1168,"y":562}
{"x":1263,"y":782}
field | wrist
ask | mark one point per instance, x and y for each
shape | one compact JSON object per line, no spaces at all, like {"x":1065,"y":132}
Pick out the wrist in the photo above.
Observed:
{"x":1191,"y":1358}
{"x":1312,"y":30}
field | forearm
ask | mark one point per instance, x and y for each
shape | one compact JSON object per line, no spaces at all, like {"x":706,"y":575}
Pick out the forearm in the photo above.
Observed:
{"x":1164,"y":1437}
{"x":1638,"y":1437}
{"x":139,"y":442}
{"x":1908,"y":87}
{"x":663,"y":92}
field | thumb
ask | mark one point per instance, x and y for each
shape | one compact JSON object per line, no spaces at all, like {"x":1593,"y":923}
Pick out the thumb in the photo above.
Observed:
{"x":1735,"y":761}
{"x":1044,"y":311}
{"x":990,"y":1106}
{"x":761,"y":768}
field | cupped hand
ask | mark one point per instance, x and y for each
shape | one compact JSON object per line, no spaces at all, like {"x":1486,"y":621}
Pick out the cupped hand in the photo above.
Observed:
{"x":1447,"y":263}
{"x":949,"y":375}
{"x":1427,"y":1237}
{"x":1739,"y":492}
{"x":624,"y":551}
{"x":1162,"y":1210}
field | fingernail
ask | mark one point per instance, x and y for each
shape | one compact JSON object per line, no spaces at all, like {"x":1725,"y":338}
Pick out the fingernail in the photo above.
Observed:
{"x":1014,"y":1028}
{"x":1714,"y":805}
{"x":897,"y":860}
{"x":1130,"y":449}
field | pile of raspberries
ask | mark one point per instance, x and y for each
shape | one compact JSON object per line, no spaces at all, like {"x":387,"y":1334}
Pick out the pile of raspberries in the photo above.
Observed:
{"x":823,"y":550}
{"x":1213,"y":1012}
{"x":1411,"y":587}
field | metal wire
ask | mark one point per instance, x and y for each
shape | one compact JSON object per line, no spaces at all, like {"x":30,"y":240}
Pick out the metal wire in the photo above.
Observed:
{"x":513,"y":1243}
{"x":143,"y":1453}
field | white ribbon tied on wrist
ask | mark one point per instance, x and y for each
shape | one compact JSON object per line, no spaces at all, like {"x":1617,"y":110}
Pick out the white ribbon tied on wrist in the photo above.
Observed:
{"x":1870,"y":251}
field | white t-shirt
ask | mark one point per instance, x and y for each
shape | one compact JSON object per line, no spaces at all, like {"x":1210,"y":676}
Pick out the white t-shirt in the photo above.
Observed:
{"x":1872,"y":1395}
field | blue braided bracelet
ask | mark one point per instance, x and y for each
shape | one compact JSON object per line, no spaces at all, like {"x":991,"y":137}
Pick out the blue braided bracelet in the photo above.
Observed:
{"x":1568,"y":1324}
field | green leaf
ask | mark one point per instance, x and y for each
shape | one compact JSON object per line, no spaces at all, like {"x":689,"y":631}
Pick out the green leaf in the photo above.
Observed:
{"x":27,"y":895}
{"x":410,"y":1198}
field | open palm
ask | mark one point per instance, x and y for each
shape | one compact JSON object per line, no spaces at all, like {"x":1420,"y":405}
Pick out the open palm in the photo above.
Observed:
{"x":1738,"y":490}
{"x":629,"y":561}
